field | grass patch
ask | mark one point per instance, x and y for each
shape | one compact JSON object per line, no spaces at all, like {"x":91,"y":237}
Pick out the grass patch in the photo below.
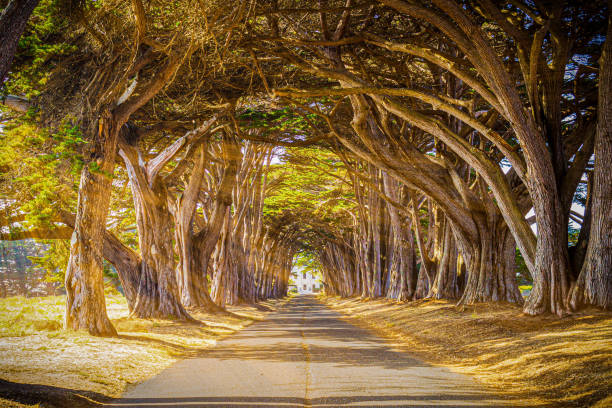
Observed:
{"x":34,"y":349}
{"x":544,"y":361}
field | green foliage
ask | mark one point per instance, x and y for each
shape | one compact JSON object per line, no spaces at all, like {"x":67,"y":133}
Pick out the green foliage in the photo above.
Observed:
{"x":53,"y":261}
{"x":308,"y":183}
{"x":522,"y":273}
{"x":40,"y":44}
{"x":285,"y":120}
{"x":39,"y":173}
{"x":572,"y":235}
{"x":310,"y":190}
{"x":122,"y":216}
{"x":43,"y":168}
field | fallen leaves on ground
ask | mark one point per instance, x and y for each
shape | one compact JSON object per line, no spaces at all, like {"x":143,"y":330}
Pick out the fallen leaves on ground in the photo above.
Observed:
{"x":542,"y":360}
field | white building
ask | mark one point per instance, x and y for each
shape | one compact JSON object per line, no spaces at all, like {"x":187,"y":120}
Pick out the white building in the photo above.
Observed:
{"x":306,"y":282}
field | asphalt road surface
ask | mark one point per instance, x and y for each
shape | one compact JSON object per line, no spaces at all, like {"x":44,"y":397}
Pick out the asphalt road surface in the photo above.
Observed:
{"x":305,"y":355}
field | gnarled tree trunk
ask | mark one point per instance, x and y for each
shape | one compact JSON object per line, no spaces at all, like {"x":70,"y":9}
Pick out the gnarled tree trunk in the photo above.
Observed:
{"x":194,"y":288}
{"x":490,"y":265}
{"x":125,"y":261}
{"x":444,"y":285}
{"x":225,"y":278}
{"x":402,"y":275}
{"x":551,"y":270}
{"x":85,"y":307}
{"x":190,"y":271}
{"x":594,"y":285}
{"x":157,"y":294}
{"x":85,"y":304}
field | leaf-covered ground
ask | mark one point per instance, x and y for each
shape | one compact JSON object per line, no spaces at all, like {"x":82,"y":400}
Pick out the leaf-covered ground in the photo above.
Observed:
{"x":546,"y":361}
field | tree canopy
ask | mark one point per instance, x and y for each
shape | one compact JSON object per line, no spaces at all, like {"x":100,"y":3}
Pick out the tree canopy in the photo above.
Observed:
{"x":408,"y":149}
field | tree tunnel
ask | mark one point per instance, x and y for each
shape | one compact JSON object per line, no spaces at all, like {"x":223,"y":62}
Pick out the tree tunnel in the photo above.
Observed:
{"x":400,"y":144}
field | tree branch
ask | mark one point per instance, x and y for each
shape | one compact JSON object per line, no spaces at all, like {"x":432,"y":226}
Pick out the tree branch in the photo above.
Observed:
{"x":154,"y":165}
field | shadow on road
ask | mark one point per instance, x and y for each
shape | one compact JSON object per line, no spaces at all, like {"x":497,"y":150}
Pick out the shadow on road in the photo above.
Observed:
{"x":279,"y":338}
{"x":65,"y":397}
{"x":389,"y":401}
{"x":305,"y":348}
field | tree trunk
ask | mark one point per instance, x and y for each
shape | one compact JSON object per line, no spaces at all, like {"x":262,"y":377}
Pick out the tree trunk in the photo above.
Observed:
{"x":85,"y":304}
{"x":444,"y":285}
{"x":192,"y":277}
{"x":157,"y":294}
{"x":192,"y":267}
{"x":194,"y":288}
{"x":426,"y":268}
{"x":422,"y":288}
{"x":13,"y":22}
{"x":490,"y":264}
{"x":594,"y":285}
{"x":125,"y":261}
{"x":551,"y":270}
{"x":402,"y":278}
{"x":225,"y":278}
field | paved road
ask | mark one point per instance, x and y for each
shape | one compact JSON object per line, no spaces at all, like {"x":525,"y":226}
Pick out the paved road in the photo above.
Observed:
{"x":304,"y":355}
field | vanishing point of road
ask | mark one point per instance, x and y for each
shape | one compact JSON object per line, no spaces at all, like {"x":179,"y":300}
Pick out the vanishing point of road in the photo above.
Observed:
{"x":305,"y":355}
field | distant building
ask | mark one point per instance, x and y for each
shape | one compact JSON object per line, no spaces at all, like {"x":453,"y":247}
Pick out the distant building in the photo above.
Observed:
{"x":306,"y":283}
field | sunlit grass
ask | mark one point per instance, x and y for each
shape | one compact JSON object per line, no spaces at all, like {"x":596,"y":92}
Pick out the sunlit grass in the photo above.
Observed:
{"x":34,"y":348}
{"x":21,"y":316}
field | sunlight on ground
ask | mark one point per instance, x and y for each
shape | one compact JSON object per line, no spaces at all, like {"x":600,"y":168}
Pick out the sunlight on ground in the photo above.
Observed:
{"x":35,"y":349}
{"x":542,"y":360}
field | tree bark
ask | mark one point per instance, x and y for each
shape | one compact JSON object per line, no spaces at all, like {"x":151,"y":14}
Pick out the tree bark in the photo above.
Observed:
{"x":194,"y":288}
{"x":551,"y":270}
{"x":225,"y":278}
{"x":13,"y":22}
{"x":125,"y":261}
{"x":402,"y":275}
{"x":594,"y":285}
{"x":157,"y":294}
{"x":490,"y":266}
{"x":85,"y":304}
{"x":191,"y":271}
{"x":444,"y":285}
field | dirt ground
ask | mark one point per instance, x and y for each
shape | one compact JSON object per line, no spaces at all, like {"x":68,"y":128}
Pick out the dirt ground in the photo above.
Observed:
{"x":43,"y":365}
{"x":544,"y":361}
